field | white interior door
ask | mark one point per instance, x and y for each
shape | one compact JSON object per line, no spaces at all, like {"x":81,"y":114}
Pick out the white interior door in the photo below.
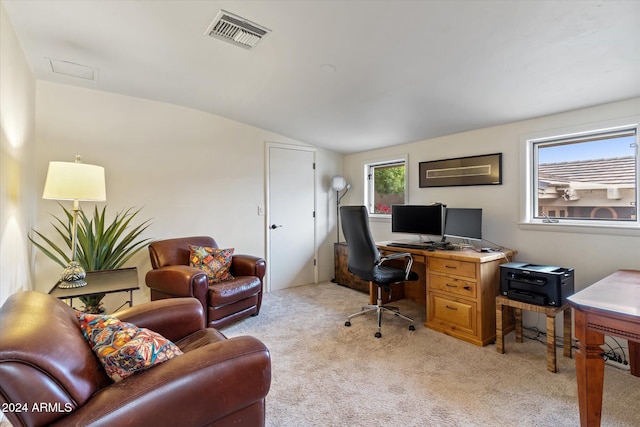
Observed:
{"x":290,"y":217}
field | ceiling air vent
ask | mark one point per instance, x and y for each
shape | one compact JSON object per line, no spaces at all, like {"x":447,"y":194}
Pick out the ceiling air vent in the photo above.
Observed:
{"x":236,"y":30}
{"x":72,"y":69}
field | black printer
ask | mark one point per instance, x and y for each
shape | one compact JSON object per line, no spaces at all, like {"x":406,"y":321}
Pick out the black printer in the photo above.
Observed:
{"x":536,"y":284}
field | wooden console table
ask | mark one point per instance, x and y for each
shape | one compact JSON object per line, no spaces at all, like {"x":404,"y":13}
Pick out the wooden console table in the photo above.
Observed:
{"x":342,"y":275}
{"x":608,"y":307}
{"x":458,"y":287}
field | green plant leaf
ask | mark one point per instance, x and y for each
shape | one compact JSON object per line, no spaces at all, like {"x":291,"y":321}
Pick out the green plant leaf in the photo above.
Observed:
{"x":61,"y":258}
{"x":100,"y":245}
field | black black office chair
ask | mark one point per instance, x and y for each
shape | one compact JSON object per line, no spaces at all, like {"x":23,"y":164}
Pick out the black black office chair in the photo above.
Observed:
{"x":366,"y":263}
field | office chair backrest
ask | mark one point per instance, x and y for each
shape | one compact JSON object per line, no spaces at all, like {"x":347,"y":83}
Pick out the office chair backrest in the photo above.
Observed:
{"x":363,"y":252}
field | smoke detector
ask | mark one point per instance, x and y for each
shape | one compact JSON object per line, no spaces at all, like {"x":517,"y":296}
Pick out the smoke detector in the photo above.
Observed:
{"x":236,"y":30}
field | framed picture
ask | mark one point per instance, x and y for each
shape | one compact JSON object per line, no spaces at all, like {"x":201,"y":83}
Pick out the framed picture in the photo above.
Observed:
{"x":474,"y":170}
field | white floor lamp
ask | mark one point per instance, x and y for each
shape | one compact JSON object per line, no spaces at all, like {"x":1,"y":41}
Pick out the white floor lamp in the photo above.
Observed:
{"x":74,"y":181}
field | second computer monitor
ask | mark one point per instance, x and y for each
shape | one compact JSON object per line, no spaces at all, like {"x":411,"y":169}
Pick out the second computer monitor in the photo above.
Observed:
{"x":463,"y":223}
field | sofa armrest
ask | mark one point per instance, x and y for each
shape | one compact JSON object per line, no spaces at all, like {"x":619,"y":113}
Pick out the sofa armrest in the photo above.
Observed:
{"x":248,"y":265}
{"x":179,"y":281}
{"x":194,"y":389}
{"x":173,"y":318}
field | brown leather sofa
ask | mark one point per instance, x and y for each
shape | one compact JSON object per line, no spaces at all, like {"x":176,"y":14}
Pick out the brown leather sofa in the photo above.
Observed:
{"x":50,"y":376}
{"x":224,"y":302}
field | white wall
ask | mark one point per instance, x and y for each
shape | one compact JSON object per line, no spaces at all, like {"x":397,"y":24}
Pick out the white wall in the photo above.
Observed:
{"x":17,"y":126}
{"x":329,"y":165}
{"x":592,"y":255}
{"x":192,"y":172}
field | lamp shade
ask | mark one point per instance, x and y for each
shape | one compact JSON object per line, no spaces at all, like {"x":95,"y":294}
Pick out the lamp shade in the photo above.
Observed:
{"x":75,"y":181}
{"x":338,"y":183}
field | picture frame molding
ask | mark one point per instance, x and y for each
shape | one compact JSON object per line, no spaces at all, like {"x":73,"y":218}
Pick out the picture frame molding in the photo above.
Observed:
{"x":484,"y":169}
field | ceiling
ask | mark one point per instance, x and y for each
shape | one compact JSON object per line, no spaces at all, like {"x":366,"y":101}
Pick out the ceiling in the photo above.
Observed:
{"x":403,"y":71}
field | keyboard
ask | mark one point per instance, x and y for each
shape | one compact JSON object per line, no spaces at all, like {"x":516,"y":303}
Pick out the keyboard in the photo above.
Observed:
{"x":410,"y":245}
{"x":426,"y":246}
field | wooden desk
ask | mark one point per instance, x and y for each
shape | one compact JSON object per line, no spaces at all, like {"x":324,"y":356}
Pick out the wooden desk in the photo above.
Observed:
{"x":612,"y":307}
{"x":102,"y":282}
{"x":459,"y":288}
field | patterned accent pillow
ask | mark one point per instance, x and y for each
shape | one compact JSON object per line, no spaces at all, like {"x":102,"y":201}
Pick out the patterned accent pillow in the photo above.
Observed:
{"x":123,"y":348}
{"x":215,"y":262}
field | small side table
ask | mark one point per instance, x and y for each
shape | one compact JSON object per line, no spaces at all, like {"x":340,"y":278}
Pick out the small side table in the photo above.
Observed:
{"x":102,"y":282}
{"x":550,"y":312}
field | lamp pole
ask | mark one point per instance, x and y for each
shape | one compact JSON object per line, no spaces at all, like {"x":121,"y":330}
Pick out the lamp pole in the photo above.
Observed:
{"x":337,"y":216}
{"x":74,"y":181}
{"x":338,"y":183}
{"x":74,"y":225}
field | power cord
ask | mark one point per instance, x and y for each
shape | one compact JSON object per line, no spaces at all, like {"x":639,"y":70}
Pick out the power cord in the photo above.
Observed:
{"x":499,"y":248}
{"x":610,"y":354}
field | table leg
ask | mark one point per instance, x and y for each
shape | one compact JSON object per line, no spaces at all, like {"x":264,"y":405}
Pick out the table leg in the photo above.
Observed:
{"x":551,"y":343}
{"x":567,"y":333}
{"x":518,"y":317}
{"x":499,"y":331}
{"x":589,"y":371}
{"x":634,"y":357}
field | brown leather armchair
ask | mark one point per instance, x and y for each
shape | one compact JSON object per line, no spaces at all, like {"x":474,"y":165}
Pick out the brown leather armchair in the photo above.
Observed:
{"x":50,"y":376}
{"x":224,"y":302}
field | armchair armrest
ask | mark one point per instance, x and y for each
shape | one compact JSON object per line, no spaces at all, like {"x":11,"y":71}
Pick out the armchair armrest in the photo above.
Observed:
{"x":179,"y":281}
{"x":173,"y":318}
{"x":407,"y":270}
{"x":196,"y":388}
{"x":248,"y":265}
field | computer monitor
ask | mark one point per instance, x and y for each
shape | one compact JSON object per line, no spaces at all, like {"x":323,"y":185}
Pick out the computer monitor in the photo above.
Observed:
{"x":425,"y":220}
{"x":463,"y":223}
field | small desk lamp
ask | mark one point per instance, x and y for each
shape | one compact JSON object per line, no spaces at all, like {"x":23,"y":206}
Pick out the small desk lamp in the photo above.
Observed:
{"x":74,"y":181}
{"x":338,"y":183}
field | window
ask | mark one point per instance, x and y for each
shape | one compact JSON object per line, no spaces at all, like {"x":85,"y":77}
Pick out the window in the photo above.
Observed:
{"x":385,"y":184}
{"x":587,"y":178}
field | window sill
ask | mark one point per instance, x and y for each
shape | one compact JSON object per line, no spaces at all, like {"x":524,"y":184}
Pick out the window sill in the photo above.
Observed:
{"x":566,"y":227}
{"x":379,"y":218}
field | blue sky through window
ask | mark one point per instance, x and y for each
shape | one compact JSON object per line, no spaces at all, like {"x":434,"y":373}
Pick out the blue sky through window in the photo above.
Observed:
{"x":604,"y":149}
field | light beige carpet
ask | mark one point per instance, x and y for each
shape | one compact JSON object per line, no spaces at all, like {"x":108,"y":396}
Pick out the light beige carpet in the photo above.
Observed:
{"x":326,"y":374}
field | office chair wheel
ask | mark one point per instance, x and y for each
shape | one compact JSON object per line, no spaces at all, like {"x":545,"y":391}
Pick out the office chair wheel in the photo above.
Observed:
{"x":378,"y":334}
{"x":347,"y":323}
{"x":412,"y":328}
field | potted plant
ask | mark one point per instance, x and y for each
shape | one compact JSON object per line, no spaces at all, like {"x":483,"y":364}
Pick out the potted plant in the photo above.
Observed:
{"x":100,"y":246}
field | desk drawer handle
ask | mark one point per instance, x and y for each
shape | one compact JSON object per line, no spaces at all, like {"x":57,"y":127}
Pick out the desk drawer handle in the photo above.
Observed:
{"x":467,"y":288}
{"x":451,"y":286}
{"x":451,"y":266}
{"x":452,"y":308}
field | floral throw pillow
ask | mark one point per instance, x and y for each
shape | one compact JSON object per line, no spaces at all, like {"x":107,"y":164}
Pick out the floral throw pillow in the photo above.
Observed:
{"x":123,"y":348}
{"x":215,"y":262}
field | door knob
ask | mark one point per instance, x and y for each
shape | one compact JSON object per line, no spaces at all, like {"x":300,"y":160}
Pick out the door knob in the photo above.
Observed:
{"x":273,"y":226}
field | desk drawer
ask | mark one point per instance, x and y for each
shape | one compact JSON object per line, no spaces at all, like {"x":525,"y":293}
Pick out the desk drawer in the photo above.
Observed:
{"x":452,"y":285}
{"x":451,"y":266}
{"x":452,"y":314}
